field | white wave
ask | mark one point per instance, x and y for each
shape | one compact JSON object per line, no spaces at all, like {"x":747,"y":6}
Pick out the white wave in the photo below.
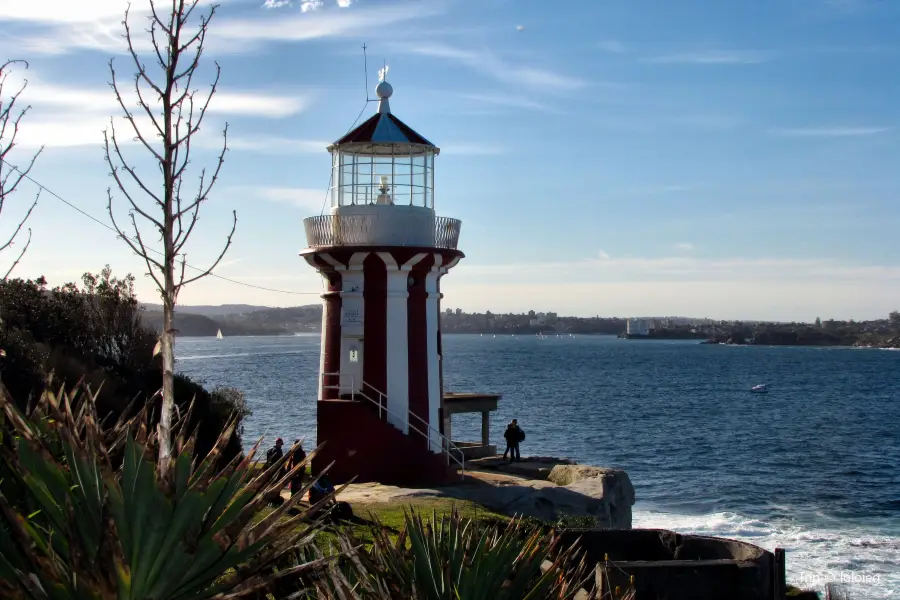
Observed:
{"x":864,"y":562}
{"x":236,"y":354}
{"x":205,"y":356}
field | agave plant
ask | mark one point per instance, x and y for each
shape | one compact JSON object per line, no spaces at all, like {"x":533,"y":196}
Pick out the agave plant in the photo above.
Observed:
{"x":84,"y":513}
{"x":453,"y":558}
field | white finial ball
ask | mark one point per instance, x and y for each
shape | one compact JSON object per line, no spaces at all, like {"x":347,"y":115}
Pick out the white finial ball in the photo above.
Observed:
{"x":384,"y":90}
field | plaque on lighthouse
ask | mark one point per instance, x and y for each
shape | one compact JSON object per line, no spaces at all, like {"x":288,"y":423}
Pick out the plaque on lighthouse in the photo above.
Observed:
{"x":351,"y":317}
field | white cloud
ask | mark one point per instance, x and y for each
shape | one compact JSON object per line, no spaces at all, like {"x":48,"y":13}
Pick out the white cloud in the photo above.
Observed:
{"x":520,"y":28}
{"x":311,"y":200}
{"x":67,"y":116}
{"x":684,"y":268}
{"x":832,"y":131}
{"x":66,"y":11}
{"x":733,"y":287}
{"x":751,"y":299}
{"x":713,"y":57}
{"x":65,"y":26}
{"x":344,"y":3}
{"x":513,"y":100}
{"x":612,"y":46}
{"x":239,"y":34}
{"x":276,"y":145}
{"x":224,"y":102}
{"x":494,"y":66}
{"x":472,"y":149}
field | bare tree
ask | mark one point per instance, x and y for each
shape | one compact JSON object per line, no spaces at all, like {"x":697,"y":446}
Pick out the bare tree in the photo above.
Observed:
{"x":11,"y":115}
{"x":170,"y":115}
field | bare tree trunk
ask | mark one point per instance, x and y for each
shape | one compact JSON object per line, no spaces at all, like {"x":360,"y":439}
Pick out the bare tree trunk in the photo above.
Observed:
{"x":167,"y":351}
{"x":166,"y":97}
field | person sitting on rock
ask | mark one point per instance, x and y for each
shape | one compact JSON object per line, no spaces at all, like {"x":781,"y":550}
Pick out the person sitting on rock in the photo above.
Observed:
{"x":514,"y":436}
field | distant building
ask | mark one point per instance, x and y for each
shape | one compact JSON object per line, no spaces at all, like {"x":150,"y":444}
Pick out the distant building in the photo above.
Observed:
{"x":637,"y":327}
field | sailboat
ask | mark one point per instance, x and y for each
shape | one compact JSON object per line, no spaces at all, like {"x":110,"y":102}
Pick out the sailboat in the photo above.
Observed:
{"x":219,"y":335}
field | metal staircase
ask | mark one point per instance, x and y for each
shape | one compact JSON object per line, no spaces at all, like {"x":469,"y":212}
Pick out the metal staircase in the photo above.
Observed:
{"x":346,"y":388}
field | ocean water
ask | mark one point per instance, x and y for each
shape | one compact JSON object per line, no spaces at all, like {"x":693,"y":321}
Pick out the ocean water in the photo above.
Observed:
{"x":813,"y":466}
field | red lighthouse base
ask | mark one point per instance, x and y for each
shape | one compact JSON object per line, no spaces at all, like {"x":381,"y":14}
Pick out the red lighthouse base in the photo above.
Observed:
{"x":365,"y":448}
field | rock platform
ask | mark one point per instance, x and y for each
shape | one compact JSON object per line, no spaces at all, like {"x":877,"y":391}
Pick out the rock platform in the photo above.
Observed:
{"x":541,"y":487}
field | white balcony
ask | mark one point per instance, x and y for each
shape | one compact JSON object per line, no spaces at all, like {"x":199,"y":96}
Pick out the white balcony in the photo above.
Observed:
{"x":382,"y":225}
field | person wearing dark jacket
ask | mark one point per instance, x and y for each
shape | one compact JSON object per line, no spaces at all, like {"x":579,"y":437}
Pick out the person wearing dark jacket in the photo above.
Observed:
{"x":514,"y":436}
{"x":275,"y":453}
{"x":299,"y":455}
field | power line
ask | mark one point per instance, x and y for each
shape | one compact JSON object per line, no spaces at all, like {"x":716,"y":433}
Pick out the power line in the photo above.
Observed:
{"x":44,"y":188}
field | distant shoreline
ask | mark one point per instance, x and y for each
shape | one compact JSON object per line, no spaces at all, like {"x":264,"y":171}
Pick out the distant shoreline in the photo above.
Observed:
{"x":698,"y":340}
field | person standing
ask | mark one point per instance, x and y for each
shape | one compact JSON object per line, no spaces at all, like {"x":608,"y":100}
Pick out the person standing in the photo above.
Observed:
{"x":298,"y":456}
{"x":275,"y":453}
{"x":514,"y":435}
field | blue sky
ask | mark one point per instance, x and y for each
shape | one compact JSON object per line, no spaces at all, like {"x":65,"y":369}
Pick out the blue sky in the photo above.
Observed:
{"x":612,"y":157}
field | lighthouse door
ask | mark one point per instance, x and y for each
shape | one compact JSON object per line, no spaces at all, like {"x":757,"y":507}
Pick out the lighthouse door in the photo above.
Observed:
{"x":351,"y":366}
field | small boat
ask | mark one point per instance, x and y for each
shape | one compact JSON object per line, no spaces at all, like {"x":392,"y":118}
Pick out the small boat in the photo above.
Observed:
{"x":219,"y":335}
{"x":760,"y":389}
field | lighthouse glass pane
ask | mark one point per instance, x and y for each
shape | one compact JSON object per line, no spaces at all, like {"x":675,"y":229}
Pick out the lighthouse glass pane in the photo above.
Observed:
{"x":405,"y":177}
{"x":347,"y":181}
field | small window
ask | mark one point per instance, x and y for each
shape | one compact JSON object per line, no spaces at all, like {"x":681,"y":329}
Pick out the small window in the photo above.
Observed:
{"x":354,"y":356}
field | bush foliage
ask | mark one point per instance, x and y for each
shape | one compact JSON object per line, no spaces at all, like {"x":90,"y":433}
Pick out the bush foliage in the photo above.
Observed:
{"x":94,"y":332}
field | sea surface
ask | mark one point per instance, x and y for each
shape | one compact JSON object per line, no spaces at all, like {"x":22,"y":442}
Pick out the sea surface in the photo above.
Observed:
{"x":813,"y":466}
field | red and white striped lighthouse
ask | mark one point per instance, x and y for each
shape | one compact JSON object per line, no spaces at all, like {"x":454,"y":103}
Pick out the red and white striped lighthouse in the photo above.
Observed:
{"x":382,"y":251}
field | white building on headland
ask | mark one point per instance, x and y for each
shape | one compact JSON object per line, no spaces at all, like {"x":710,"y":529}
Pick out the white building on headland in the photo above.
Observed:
{"x":638,"y":326}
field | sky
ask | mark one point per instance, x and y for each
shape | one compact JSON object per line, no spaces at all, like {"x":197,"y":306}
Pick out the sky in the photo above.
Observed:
{"x":607,"y":157}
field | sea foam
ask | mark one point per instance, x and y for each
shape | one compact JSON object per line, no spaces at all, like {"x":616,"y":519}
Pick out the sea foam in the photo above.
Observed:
{"x":863,"y":562}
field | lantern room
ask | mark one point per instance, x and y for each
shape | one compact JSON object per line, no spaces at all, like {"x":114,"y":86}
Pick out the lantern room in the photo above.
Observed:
{"x":382,"y":187}
{"x":383,"y":162}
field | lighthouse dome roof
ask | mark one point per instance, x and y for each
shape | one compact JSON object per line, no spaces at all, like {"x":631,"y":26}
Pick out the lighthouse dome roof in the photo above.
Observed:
{"x":384,"y":128}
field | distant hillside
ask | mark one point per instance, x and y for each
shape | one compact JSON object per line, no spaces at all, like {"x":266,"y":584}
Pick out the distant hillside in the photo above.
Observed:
{"x":258,"y":321}
{"x":185,"y":323}
{"x":273,"y":321}
{"x":209,"y":310}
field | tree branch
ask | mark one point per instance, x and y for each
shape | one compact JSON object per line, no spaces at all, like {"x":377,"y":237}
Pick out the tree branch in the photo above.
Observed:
{"x":21,"y":224}
{"x":208,"y":271}
{"x":11,"y":175}
{"x":21,"y":254}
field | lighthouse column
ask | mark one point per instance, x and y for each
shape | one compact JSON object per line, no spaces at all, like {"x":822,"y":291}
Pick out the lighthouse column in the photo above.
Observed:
{"x":432,"y":330}
{"x":397,"y":348}
{"x":352,"y":321}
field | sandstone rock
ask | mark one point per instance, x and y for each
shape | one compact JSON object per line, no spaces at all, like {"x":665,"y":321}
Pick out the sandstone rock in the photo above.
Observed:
{"x":566,"y":474}
{"x":607,"y":496}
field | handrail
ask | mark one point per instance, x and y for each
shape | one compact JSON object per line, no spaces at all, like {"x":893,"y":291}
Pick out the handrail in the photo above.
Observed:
{"x":450,"y":445}
{"x":447,"y":445}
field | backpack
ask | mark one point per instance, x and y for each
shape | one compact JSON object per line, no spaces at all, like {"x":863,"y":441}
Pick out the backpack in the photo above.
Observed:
{"x":521,"y":435}
{"x":342,"y":510}
{"x":270,"y":457}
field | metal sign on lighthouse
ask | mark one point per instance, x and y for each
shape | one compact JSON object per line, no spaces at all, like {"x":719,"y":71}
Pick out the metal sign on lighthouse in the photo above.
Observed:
{"x":381,"y":251}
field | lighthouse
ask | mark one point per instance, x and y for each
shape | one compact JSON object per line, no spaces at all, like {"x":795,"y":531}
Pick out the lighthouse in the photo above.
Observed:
{"x":381,"y":251}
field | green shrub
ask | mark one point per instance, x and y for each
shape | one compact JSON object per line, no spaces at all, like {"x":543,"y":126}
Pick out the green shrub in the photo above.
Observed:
{"x":94,"y":333}
{"x":75,"y":523}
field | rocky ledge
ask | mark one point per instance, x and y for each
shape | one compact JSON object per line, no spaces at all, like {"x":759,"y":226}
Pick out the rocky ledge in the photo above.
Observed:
{"x":541,"y":487}
{"x":550,"y":488}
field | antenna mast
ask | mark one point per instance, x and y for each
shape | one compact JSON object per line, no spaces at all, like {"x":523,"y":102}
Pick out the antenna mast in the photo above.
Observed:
{"x":366,"y":68}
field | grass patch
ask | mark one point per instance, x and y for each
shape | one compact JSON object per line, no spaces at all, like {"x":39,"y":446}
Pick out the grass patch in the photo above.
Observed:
{"x":391,"y":517}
